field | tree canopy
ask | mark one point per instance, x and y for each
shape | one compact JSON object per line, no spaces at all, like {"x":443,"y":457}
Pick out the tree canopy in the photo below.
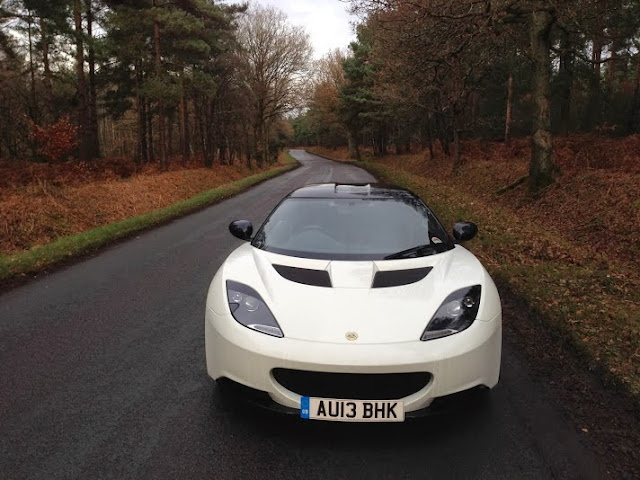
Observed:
{"x":425,"y":71}
{"x":149,"y":79}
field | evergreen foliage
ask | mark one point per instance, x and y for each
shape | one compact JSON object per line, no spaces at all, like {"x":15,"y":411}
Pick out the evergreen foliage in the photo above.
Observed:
{"x":148,"y":79}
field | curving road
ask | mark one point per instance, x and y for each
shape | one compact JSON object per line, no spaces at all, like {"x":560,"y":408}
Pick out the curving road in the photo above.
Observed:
{"x":102,"y":375}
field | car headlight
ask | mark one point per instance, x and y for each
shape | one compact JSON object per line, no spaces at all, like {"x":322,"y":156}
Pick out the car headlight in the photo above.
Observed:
{"x":457,"y":313}
{"x":250,"y":310}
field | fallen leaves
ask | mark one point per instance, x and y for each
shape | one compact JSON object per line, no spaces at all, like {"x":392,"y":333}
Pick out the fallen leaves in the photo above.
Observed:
{"x":43,"y":207}
{"x":572,"y":254}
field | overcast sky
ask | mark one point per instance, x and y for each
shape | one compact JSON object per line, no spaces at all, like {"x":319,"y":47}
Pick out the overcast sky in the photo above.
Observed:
{"x":326,"y":21}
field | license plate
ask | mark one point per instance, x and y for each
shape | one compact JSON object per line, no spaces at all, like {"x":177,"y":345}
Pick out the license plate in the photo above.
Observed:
{"x":340,"y":410}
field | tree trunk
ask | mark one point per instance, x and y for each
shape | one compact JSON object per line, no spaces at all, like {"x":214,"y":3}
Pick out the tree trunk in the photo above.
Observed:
{"x":256,"y":144}
{"x":541,"y":168}
{"x":161,"y":123}
{"x":354,"y":148}
{"x":596,"y":54}
{"x":474,"y":99}
{"x":202,"y":119}
{"x":443,"y":135}
{"x":399,"y":143}
{"x":383,"y":141}
{"x":457,"y":156}
{"x":141,"y":154}
{"x":184,"y":127}
{"x":246,"y":141}
{"x":149,"y":119}
{"x":444,"y":143}
{"x":230,"y":150}
{"x":612,"y":65}
{"x":48,"y":84}
{"x":93,"y":139}
{"x":222,"y":150}
{"x":427,"y":135}
{"x":140,"y":114}
{"x":170,"y":118}
{"x":593,"y":112}
{"x":565,"y":79}
{"x":208,"y":134}
{"x":182,"y":130}
{"x":509,"y":115}
{"x":143,"y":149}
{"x":264,"y":145}
{"x":267,"y":142}
{"x":634,"y":116}
{"x":84,"y":152}
{"x":33,"y":110}
{"x":262,"y":154}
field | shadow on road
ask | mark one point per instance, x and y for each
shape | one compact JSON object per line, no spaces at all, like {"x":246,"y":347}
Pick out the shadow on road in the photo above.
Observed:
{"x":465,"y":416}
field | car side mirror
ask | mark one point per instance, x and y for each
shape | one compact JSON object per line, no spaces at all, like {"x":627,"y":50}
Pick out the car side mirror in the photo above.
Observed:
{"x":241,"y":229}
{"x":464,"y":231}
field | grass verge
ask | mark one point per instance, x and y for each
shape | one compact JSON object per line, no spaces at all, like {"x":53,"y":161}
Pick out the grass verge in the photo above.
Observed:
{"x":42,"y":257}
{"x":591,"y":304}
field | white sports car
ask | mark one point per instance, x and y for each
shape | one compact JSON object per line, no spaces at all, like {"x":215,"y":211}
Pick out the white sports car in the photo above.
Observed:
{"x":351,"y":303}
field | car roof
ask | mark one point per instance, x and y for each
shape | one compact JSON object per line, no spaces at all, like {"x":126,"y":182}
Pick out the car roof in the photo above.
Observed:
{"x":351,"y":190}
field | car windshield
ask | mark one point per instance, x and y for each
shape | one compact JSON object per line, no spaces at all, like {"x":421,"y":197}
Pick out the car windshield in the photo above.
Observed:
{"x":352,"y":229}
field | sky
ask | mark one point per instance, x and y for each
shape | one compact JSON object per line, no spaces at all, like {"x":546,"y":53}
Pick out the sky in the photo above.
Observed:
{"x":326,"y":21}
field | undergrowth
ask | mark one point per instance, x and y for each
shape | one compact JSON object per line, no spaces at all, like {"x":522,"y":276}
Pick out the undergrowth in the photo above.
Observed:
{"x":40,"y":257}
{"x":584,"y":289}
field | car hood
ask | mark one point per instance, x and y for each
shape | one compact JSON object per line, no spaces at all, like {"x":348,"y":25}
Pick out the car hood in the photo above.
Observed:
{"x":352,"y":304}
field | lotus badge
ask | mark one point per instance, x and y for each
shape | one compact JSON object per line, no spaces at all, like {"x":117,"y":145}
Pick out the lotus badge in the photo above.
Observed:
{"x":351,"y":336}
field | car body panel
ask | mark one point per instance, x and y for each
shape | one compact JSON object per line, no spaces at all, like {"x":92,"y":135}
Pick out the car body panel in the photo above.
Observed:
{"x":458,"y":363}
{"x":350,"y":326}
{"x":378,"y":315}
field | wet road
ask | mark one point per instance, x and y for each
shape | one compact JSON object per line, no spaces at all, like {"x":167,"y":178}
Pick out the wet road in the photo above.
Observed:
{"x":102,"y":375}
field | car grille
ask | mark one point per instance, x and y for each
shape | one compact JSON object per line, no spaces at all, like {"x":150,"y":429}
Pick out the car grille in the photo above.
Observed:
{"x":355,"y":386}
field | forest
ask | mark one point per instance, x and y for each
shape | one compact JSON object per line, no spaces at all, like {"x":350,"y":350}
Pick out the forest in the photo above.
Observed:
{"x":438,"y":72}
{"x":159,"y":82}
{"x":148,"y":80}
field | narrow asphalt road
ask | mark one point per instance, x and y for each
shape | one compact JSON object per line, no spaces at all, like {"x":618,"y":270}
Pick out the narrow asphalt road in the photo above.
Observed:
{"x":102,"y":375}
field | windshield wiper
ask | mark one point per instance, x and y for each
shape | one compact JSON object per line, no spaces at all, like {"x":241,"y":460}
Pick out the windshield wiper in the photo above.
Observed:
{"x":418,"y":251}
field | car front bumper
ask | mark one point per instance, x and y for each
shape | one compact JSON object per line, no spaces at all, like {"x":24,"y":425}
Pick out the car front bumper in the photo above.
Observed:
{"x":456,"y":363}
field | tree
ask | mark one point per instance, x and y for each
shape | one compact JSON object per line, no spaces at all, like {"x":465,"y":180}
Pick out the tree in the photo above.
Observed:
{"x":127,"y":45}
{"x":451,"y":45}
{"x":92,"y":134}
{"x":52,"y":18}
{"x":356,"y":94}
{"x":84,"y":143}
{"x":324,"y":104}
{"x":541,"y":168}
{"x":276,"y":57}
{"x":180,"y":53}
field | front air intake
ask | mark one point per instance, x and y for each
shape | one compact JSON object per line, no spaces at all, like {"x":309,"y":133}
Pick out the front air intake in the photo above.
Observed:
{"x":353,"y":386}
{"x":398,"y":278}
{"x":305,"y":276}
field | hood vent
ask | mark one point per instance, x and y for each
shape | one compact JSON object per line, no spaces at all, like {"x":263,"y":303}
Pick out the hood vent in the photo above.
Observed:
{"x":316,"y":278}
{"x":398,"y":278}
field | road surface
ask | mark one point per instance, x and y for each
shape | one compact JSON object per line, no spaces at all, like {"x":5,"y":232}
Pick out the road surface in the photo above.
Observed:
{"x":102,"y":375}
